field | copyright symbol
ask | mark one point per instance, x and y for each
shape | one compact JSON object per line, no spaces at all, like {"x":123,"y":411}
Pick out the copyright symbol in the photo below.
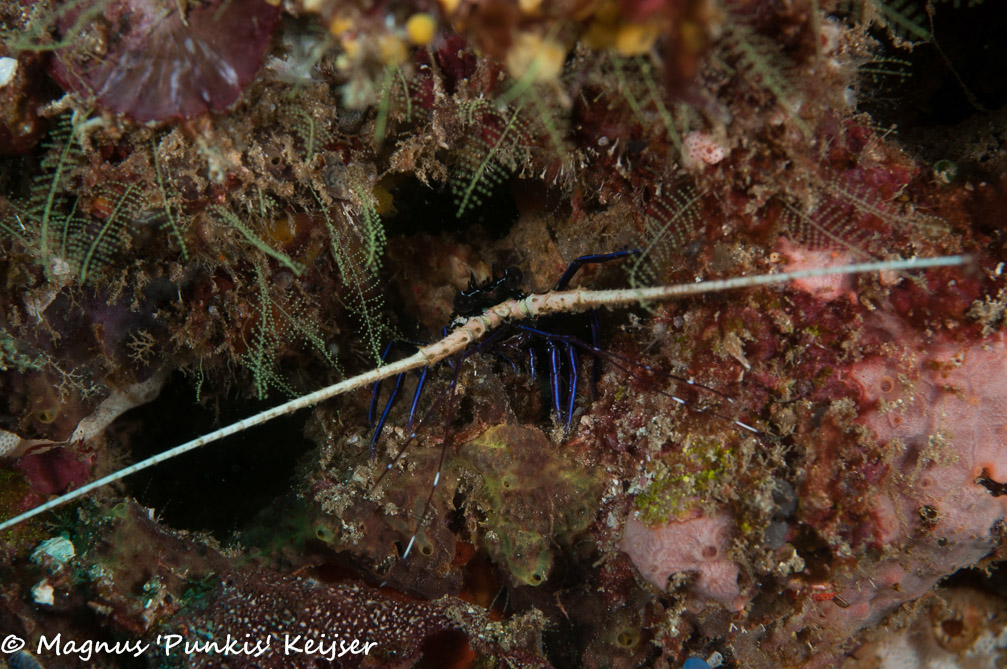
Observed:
{"x":11,"y":644}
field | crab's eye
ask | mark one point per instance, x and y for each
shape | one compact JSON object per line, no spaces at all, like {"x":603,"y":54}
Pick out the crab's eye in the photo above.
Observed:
{"x":464,"y":303}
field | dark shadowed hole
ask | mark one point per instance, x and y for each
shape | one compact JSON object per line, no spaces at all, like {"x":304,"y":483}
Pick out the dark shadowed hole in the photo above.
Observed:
{"x":952,"y":628}
{"x":220,"y":487}
{"x":933,"y":95}
{"x":991,"y":579}
{"x":446,"y":649}
{"x":419,"y":208}
{"x":995,"y":488}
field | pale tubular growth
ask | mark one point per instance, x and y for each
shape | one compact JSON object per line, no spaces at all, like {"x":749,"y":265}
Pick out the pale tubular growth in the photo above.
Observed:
{"x":532,"y":306}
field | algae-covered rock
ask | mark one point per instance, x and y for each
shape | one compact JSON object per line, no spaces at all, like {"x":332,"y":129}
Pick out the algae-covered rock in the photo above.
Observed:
{"x":534,"y":498}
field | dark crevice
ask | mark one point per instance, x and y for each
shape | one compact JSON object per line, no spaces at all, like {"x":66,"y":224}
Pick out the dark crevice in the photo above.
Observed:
{"x":996,"y":489}
{"x":420,"y":208}
{"x":218,"y":488}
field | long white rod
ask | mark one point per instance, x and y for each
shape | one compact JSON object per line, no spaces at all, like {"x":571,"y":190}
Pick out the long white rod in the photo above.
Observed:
{"x":533,"y":306}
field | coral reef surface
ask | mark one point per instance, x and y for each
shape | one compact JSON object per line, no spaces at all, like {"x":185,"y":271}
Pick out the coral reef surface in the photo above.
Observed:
{"x":209,"y":207}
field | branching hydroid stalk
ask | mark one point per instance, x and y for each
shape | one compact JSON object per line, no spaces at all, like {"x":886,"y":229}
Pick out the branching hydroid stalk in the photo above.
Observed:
{"x":533,"y":306}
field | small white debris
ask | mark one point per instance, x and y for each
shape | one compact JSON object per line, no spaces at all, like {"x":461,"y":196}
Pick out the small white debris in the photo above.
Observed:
{"x":116,"y":404}
{"x":42,"y":593}
{"x":8,"y":69}
{"x":59,"y":549}
{"x":37,"y":303}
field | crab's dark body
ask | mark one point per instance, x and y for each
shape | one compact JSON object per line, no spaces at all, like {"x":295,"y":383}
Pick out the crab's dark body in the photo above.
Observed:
{"x":557,"y":351}
{"x":479,"y":297}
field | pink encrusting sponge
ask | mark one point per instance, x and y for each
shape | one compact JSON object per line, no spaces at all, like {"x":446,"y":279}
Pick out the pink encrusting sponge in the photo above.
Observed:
{"x":947,"y":411}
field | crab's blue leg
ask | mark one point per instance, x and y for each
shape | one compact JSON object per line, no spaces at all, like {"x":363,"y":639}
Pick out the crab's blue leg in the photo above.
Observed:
{"x":376,"y":388}
{"x":572,"y":356}
{"x":375,"y":391}
{"x":555,"y":376}
{"x":384,"y":414}
{"x":623,"y":363}
{"x":410,"y":439}
{"x":577,"y":263}
{"x":445,"y":444}
{"x":416,"y":396}
{"x":531,"y":361}
{"x":506,"y":358}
